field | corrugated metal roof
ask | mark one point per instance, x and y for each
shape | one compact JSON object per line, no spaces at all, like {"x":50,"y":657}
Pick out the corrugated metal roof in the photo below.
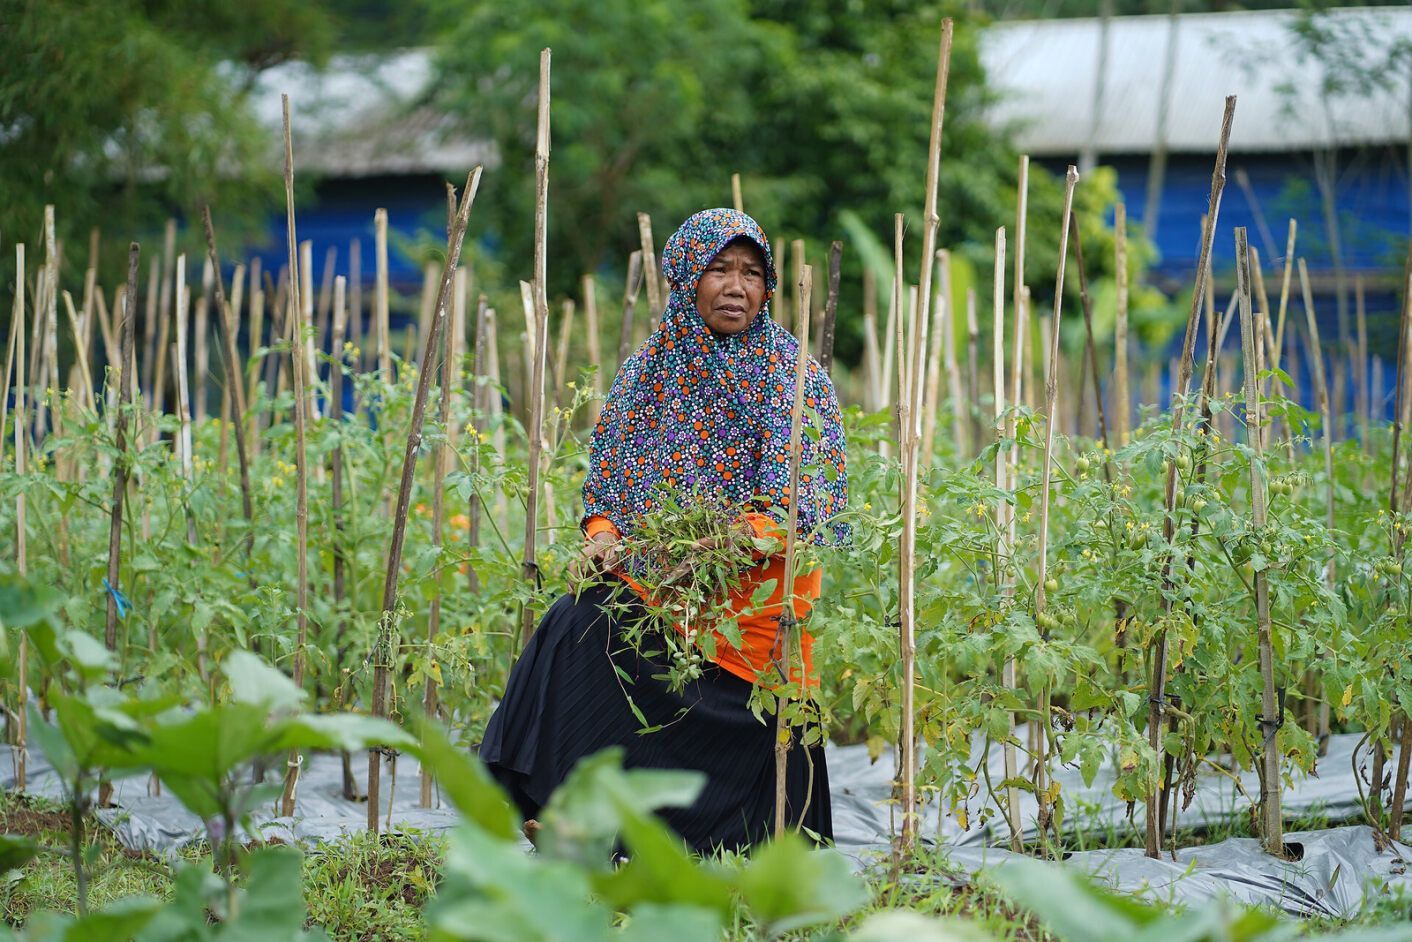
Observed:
{"x":1046,"y":72}
{"x":358,"y":117}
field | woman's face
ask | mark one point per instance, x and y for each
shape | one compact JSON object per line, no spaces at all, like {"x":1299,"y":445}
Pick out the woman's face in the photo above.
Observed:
{"x":731,"y":290}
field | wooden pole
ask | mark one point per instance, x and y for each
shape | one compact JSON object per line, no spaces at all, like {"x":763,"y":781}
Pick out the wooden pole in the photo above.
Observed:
{"x":441,"y":460}
{"x":481,"y":413}
{"x":1365,"y":396}
{"x":1158,"y":680}
{"x":1051,"y":388}
{"x":120,"y":465}
{"x":941,"y":318}
{"x":1284,"y":294}
{"x":826,"y":332}
{"x":1003,"y":562}
{"x":298,"y":365}
{"x":183,"y":301}
{"x":630,"y":292}
{"x":973,"y":367}
{"x":230,"y":362}
{"x":1086,"y":303}
{"x":339,"y":538}
{"x":387,"y":621}
{"x":1270,"y":722}
{"x":595,"y":354}
{"x":380,"y":298}
{"x":1321,"y":391}
{"x":17,"y":340}
{"x":736,"y":199}
{"x":649,"y":269}
{"x":789,"y":624}
{"x":872,"y":361}
{"x":561,"y":353}
{"x":534,"y":425}
{"x":1122,"y":394}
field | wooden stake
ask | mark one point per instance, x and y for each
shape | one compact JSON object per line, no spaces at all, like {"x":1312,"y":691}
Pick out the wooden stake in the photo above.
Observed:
{"x":789,"y":624}
{"x":826,"y":333}
{"x":561,"y":354}
{"x":1284,"y":295}
{"x":387,"y":627}
{"x":441,"y":460}
{"x":1051,"y":389}
{"x":630,"y":292}
{"x":202,"y":345}
{"x":1122,"y":395}
{"x":17,"y":341}
{"x":1086,"y":304}
{"x":1321,"y":391}
{"x":736,"y":199}
{"x":120,"y":465}
{"x":1003,"y":562}
{"x":480,"y":415}
{"x":1158,"y":681}
{"x":230,"y":366}
{"x":649,"y":270}
{"x":339,"y":544}
{"x":1272,"y":824}
{"x":1360,"y":376}
{"x":183,"y":300}
{"x":959,"y":423}
{"x":534,"y":426}
{"x":380,"y":300}
{"x":872,"y":361}
{"x":941,"y":317}
{"x":298,"y":366}
{"x":595,"y":354}
{"x":973,"y":368}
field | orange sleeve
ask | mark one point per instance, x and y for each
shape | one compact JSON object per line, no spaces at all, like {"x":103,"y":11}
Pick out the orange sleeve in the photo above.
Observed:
{"x":595,"y":525}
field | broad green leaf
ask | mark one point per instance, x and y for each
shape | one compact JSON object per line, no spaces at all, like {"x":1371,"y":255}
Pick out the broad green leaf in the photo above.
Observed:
{"x":16,"y":851}
{"x":465,"y":782}
{"x":788,"y":885}
{"x":677,"y":923}
{"x":254,"y":682}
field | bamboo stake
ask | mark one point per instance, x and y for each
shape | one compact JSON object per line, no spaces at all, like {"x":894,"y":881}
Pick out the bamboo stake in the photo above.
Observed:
{"x":872,"y":362}
{"x":87,"y":396}
{"x":1270,"y":723}
{"x":595,"y":354}
{"x":441,"y":459}
{"x":481,"y":399}
{"x":941,"y":315}
{"x":1122,"y":395}
{"x":183,"y":299}
{"x":202,"y":344}
{"x":959,"y":425}
{"x":826,"y":332}
{"x":16,"y":316}
{"x":1321,"y":391}
{"x":1284,"y":294}
{"x":387,"y":621}
{"x":561,"y":355}
{"x":736,"y":199}
{"x":788,"y":618}
{"x":230,"y":364}
{"x":1021,"y":215}
{"x":149,"y":321}
{"x":120,"y":464}
{"x":1050,"y":394}
{"x":355,"y":297}
{"x":535,"y":424}
{"x":298,"y":365}
{"x":973,"y":374}
{"x":1086,"y":304}
{"x":1360,"y":376}
{"x":1002,"y":522}
{"x":630,"y":292}
{"x":339,"y":544}
{"x":1400,"y":381}
{"x":380,"y":301}
{"x":1158,"y":680}
{"x":17,"y":340}
{"x":649,"y":269}
{"x":325,"y":297}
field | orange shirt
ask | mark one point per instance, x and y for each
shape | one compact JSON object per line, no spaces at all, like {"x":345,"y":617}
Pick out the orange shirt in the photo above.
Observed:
{"x":758,"y":625}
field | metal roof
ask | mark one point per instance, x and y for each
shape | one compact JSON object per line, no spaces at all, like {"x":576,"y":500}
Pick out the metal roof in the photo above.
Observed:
{"x":1047,"y":74}
{"x":359,"y":117}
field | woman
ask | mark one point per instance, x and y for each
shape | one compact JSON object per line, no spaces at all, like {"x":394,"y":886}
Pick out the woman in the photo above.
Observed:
{"x":702,"y":407}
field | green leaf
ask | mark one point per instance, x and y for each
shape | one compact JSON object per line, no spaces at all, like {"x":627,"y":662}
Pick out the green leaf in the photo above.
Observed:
{"x":465,"y":782}
{"x":254,"y":682}
{"x":16,"y":851}
{"x":1073,"y":908}
{"x":902,"y":926}
{"x":788,"y":885}
{"x":678,"y":923}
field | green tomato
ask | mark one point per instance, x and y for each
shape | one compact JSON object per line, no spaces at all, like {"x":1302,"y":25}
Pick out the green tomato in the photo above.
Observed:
{"x":1051,"y":586}
{"x":1082,"y":464}
{"x":1137,"y":539}
{"x":1198,"y":505}
{"x":1183,"y":461}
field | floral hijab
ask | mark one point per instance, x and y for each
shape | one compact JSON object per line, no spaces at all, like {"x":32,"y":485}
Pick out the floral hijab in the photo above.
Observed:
{"x":696,"y":413}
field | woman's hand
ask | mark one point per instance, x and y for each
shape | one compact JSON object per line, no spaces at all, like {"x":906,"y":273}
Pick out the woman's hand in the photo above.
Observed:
{"x":599,"y":556}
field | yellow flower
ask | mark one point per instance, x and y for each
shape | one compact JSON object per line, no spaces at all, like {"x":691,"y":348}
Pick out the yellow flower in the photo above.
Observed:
{"x":867,"y":506}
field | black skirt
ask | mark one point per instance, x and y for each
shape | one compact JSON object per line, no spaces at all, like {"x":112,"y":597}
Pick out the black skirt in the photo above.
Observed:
{"x":565,"y":701}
